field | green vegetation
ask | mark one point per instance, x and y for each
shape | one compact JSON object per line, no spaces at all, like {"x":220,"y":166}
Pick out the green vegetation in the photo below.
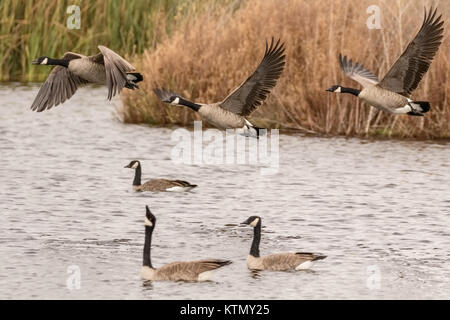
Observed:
{"x":29,"y":29}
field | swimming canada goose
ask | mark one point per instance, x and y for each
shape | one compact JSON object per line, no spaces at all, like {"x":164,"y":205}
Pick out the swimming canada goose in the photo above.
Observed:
{"x":392,"y":93}
{"x":278,"y":261}
{"x":74,"y":70}
{"x":176,"y":271}
{"x":157,"y":184}
{"x":242,"y":101}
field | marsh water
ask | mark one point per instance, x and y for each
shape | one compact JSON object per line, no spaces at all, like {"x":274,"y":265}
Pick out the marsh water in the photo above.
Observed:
{"x":379,"y":210}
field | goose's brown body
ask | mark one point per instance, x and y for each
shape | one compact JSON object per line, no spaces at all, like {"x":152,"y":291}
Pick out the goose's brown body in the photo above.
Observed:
{"x":164,"y":185}
{"x":383,"y":99}
{"x":281,"y":261}
{"x":221,"y":118}
{"x":183,"y":271}
{"x":89,"y":70}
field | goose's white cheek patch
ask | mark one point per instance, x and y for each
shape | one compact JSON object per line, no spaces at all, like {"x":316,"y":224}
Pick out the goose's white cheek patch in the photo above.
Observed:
{"x":135,"y":165}
{"x":176,"y":101}
{"x":254,"y":222}
{"x":148,"y":222}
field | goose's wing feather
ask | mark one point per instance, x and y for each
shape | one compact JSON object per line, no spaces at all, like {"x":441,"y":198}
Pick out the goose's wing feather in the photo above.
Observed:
{"x":182,"y":183}
{"x":287,"y":261}
{"x":357,"y":72}
{"x":116,"y":70}
{"x":309,"y":256}
{"x":253,"y":91}
{"x":189,"y":270}
{"x":163,"y":184}
{"x":72,"y":55}
{"x":61,"y":84}
{"x":406,"y":73}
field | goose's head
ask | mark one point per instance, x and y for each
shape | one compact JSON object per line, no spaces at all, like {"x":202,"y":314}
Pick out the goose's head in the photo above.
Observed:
{"x":335,"y":88}
{"x":41,"y":60}
{"x":253,"y":221}
{"x":167,"y":96}
{"x":133,"y":164}
{"x":150,"y":219}
{"x":175,"y":100}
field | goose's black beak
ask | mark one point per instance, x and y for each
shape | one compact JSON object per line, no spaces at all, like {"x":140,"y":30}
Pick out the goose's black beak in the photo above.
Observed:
{"x":128,"y":166}
{"x":330,"y":89}
{"x":35,"y":61}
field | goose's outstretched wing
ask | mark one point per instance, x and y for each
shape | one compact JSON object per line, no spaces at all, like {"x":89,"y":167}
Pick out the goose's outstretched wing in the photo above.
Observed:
{"x":357,"y":72}
{"x":116,"y":69}
{"x":406,"y":73}
{"x":61,"y":84}
{"x":253,"y":91}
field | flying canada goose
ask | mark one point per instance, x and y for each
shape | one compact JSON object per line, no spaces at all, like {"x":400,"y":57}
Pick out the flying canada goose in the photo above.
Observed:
{"x":157,"y":184}
{"x":392,"y":93}
{"x":231,"y":112}
{"x":278,"y":261}
{"x":176,"y":271}
{"x":74,"y":70}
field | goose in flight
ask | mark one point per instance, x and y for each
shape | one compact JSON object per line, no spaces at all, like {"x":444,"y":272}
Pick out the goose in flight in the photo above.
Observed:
{"x":242,"y":101}
{"x":74,"y":70}
{"x":392,"y":93}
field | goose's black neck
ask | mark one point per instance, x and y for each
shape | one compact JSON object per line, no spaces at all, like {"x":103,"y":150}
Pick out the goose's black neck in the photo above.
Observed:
{"x":137,"y":176}
{"x":189,"y":104}
{"x":147,"y":247}
{"x":254,"y":250}
{"x":352,"y":91}
{"x":58,"y":62}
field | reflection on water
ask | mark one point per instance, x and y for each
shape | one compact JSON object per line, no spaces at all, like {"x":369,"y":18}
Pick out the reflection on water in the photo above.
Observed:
{"x":378,"y":209}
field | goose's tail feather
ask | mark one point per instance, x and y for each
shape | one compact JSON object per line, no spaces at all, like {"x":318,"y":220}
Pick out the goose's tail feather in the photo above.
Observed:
{"x":132,"y":79}
{"x":220,"y":263}
{"x":319,"y":257}
{"x":253,"y":131}
{"x":419,"y":108}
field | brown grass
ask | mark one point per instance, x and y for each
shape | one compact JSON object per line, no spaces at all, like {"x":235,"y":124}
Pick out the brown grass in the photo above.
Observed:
{"x":214,"y":50}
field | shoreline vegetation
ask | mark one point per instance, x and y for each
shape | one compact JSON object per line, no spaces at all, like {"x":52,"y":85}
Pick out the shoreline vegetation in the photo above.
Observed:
{"x":29,"y":29}
{"x":202,"y":49}
{"x":210,"y":54}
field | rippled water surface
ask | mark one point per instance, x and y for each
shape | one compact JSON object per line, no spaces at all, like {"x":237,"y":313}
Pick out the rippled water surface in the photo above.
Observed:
{"x":380,"y":211}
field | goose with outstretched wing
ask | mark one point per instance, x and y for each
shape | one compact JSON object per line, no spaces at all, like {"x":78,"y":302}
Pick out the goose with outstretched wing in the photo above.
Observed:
{"x":240,"y":103}
{"x":74,"y":70}
{"x":392,"y":93}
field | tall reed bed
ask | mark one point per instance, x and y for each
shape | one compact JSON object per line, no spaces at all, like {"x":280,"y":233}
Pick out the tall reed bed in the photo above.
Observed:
{"x":29,"y":29}
{"x":207,"y":56}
